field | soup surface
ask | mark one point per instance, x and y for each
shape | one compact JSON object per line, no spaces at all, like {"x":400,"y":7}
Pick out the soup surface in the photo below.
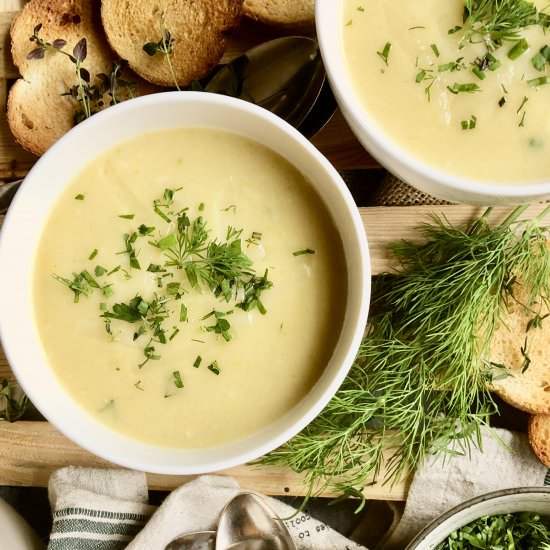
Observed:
{"x":452,"y":96}
{"x":189,"y":287}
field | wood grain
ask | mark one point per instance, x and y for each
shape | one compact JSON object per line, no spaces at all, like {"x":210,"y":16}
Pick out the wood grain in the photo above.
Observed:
{"x":31,"y":451}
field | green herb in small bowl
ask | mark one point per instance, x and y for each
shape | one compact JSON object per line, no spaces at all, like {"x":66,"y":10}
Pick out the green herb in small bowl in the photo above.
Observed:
{"x":511,"y":519}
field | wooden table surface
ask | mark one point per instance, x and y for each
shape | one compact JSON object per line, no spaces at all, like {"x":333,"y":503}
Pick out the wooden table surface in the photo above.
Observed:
{"x":31,"y":450}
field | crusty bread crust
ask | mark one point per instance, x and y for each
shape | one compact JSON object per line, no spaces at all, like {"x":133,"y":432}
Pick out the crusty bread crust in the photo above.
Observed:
{"x":529,"y":390}
{"x":297,"y":14}
{"x":37,"y":112}
{"x":197,"y":28}
{"x":539,"y":437}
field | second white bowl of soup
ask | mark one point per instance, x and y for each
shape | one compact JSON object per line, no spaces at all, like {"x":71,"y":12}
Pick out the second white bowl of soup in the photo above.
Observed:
{"x":191,"y":281}
{"x":450,"y":101}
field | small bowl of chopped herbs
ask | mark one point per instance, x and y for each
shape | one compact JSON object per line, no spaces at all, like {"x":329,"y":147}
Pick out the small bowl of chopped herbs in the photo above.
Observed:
{"x":510,"y":519}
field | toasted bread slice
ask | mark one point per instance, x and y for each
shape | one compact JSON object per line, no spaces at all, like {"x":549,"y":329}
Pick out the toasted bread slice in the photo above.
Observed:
{"x":197,"y":30}
{"x":539,"y":437}
{"x":38,"y":112}
{"x":521,"y":344}
{"x":297,"y":14}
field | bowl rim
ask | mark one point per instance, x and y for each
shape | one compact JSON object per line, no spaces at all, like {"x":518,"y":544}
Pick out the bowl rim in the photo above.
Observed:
{"x":360,"y":244}
{"x":419,"y":538}
{"x":328,"y":17}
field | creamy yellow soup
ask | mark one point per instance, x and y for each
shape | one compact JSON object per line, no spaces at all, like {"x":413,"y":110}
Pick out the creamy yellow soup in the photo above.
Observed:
{"x":405,"y":66}
{"x":149,"y":350}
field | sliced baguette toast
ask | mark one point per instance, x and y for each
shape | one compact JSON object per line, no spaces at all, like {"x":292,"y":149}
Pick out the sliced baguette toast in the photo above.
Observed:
{"x":197,"y":29}
{"x":290,"y":14}
{"x":521,"y":343}
{"x":539,"y":437}
{"x":38,"y":113}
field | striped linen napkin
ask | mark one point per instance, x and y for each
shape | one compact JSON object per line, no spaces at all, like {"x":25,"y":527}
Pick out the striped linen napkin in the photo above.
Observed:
{"x":96,"y":509}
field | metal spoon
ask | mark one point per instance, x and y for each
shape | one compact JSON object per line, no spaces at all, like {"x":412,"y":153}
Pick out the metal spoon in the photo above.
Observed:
{"x":200,"y":540}
{"x":285,"y":76}
{"x":247,"y":520}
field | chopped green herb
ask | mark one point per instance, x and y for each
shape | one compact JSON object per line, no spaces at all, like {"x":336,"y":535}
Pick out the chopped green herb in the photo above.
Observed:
{"x":127,"y":216}
{"x":79,"y":197}
{"x":540,"y":81}
{"x":177,"y":379}
{"x":435,"y":49}
{"x":183,"y":313}
{"x":304,"y":251}
{"x":93,"y":254}
{"x":469,"y":124}
{"x":221,"y":326}
{"x":349,"y":23}
{"x":213,"y":367}
{"x":501,"y":101}
{"x":201,"y":206}
{"x":504,"y":531}
{"x":129,"y":241}
{"x":197,"y":362}
{"x":137,"y":385}
{"x":469,"y":88}
{"x":230,"y":208}
{"x":385,"y":52}
{"x":172,"y":289}
{"x":99,"y":271}
{"x":536,"y":322}
{"x":150,"y":355}
{"x":144,"y":230}
{"x":519,"y":48}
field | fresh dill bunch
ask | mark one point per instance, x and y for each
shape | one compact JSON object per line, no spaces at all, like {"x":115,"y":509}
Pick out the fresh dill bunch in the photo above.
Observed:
{"x":496,"y":21}
{"x":419,"y":385}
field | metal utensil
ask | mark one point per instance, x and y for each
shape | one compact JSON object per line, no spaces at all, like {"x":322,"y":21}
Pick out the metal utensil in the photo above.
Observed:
{"x":285,"y":76}
{"x":248,"y":522}
{"x":200,"y":540}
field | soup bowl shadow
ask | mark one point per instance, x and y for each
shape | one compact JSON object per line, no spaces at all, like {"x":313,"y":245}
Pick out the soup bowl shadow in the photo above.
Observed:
{"x":29,"y":213}
{"x":330,"y":26}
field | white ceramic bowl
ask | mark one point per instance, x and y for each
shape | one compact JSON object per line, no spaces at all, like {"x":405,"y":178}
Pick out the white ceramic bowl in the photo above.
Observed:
{"x":330,"y":25}
{"x":507,"y":501}
{"x":30,"y":210}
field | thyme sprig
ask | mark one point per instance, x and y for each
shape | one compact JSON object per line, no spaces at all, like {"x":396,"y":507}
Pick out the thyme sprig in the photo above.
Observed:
{"x":420,"y":383}
{"x":164,"y":46}
{"x":91,"y":94}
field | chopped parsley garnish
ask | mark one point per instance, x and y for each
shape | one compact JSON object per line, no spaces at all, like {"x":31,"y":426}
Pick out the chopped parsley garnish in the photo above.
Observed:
{"x":79,"y":197}
{"x":304,"y":251}
{"x":189,"y":258}
{"x":468,"y":88}
{"x":129,"y":241}
{"x":213,"y":367}
{"x":469,"y":124}
{"x":177,"y":379}
{"x":385,"y":53}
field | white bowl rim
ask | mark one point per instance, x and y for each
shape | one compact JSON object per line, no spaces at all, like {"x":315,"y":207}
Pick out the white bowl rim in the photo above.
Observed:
{"x":357,"y":114}
{"x":292,"y":428}
{"x":413,"y":545}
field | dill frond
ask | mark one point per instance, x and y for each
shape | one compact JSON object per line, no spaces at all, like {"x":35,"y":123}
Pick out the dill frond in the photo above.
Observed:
{"x":419,"y":385}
